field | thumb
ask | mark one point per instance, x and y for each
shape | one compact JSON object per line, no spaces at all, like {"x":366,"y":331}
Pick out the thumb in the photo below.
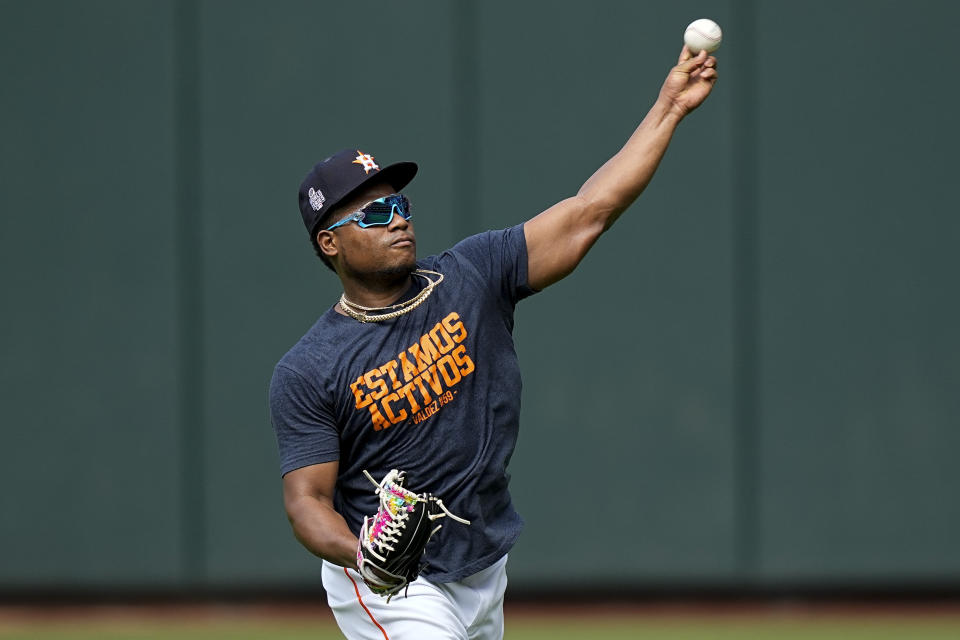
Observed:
{"x":690,"y":64}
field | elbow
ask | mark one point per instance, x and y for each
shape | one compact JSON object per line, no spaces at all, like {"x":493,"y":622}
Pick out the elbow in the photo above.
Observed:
{"x":300,"y":525}
{"x":294,"y":519}
{"x":297,"y":514}
{"x":599,"y":211}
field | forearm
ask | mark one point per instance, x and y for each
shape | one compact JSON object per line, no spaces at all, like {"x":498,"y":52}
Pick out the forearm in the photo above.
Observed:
{"x":322,"y":530}
{"x":621,"y":180}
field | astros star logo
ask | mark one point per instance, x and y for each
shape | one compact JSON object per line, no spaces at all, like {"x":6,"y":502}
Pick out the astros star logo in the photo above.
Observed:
{"x":365,"y":160}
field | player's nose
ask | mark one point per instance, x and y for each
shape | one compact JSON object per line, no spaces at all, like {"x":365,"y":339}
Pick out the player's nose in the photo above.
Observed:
{"x":398,"y":223}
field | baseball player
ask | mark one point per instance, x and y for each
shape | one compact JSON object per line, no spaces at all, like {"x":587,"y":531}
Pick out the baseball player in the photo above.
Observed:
{"x":398,"y":411}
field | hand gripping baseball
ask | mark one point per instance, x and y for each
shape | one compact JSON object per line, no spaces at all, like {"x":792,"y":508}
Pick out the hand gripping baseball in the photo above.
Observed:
{"x":392,"y":541}
{"x":689,"y":83}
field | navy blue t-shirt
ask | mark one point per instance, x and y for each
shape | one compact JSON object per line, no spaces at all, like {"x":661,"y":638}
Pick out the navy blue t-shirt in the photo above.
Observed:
{"x":434,"y":393}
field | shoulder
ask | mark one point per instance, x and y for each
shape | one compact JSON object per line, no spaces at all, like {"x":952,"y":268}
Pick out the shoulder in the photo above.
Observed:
{"x":480,"y":244}
{"x":316,"y":352}
{"x":478,"y":251}
{"x":492,"y":261}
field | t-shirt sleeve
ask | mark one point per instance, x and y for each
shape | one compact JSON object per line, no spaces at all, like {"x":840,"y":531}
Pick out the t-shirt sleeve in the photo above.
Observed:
{"x":500,"y":257}
{"x":304,"y":424}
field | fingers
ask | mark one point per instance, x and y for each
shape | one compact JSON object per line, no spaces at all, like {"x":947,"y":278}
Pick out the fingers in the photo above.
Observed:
{"x":709,"y":68}
{"x":708,"y":74}
{"x":688,"y":62}
{"x":686,"y":54}
{"x":695,"y":65}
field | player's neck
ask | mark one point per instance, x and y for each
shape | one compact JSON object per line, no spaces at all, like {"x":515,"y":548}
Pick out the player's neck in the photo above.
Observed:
{"x":376,"y":292}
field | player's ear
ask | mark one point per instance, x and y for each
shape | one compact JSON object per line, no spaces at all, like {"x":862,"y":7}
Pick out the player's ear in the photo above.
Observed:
{"x":327,"y":241}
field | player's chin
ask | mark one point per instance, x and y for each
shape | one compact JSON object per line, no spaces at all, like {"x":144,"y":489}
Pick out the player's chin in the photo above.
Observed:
{"x":404,"y":266}
{"x":405,"y":250}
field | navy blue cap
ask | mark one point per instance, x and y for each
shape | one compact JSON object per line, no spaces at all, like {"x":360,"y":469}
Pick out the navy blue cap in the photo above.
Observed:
{"x":339,"y":176}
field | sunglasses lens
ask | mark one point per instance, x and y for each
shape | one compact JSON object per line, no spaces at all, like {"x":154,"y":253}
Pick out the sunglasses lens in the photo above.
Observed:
{"x":381,"y":211}
{"x":377,"y":214}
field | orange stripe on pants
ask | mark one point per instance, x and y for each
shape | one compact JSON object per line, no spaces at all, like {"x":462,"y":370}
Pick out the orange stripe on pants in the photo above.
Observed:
{"x":360,"y":600}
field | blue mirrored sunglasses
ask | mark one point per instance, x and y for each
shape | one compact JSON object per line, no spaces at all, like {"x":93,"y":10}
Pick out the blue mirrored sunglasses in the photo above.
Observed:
{"x":378,"y":212}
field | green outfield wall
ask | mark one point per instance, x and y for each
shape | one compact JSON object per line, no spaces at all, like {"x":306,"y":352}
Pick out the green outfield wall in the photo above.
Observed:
{"x":753,"y":379}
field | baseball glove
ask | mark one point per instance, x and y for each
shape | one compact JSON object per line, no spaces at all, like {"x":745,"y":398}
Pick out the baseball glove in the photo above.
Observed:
{"x":392,"y":541}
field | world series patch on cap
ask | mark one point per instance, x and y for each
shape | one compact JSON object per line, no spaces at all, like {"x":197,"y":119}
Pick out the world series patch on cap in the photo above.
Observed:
{"x":338,"y":177}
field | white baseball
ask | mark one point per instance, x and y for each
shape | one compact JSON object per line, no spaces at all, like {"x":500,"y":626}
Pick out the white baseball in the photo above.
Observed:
{"x":703,"y":35}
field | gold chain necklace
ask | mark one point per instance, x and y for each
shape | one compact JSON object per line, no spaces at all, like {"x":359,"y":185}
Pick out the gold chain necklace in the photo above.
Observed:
{"x":362,"y":314}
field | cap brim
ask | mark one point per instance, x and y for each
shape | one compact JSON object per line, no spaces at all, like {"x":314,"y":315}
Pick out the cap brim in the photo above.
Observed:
{"x":397,"y":175}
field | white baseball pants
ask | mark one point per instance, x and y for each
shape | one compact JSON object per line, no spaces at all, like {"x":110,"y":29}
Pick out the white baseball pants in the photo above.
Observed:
{"x":471,"y":609}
